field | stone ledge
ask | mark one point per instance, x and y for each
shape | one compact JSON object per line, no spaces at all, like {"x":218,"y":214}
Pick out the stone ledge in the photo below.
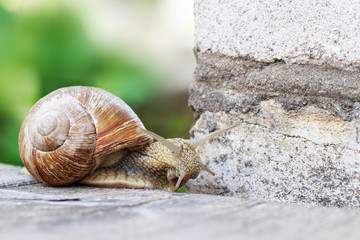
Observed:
{"x":41,"y":212}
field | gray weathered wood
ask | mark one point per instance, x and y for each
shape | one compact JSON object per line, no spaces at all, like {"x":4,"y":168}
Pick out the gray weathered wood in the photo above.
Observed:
{"x":32,"y":210}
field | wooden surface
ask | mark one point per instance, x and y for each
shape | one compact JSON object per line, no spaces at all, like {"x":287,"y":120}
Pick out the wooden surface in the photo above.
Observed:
{"x":30,"y":210}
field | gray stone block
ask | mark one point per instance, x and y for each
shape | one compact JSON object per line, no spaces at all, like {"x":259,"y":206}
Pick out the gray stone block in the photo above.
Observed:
{"x":271,"y":66}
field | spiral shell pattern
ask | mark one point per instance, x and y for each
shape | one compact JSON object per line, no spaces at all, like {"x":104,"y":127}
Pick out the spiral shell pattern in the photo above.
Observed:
{"x":65,"y":131}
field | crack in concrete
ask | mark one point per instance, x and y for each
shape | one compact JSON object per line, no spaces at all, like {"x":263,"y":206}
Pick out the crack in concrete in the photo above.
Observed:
{"x":264,"y":127}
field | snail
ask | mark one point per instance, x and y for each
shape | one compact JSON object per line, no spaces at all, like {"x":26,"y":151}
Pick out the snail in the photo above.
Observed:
{"x":86,"y":135}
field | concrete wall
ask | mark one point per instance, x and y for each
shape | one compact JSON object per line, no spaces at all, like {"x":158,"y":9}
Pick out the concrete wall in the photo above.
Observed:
{"x":289,"y":72}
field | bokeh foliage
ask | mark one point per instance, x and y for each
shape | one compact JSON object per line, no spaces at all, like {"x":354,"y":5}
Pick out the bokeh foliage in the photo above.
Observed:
{"x":48,"y":50}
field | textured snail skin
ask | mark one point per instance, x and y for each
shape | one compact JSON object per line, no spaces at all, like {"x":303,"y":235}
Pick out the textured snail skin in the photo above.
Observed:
{"x":89,"y":136}
{"x":153,"y":166}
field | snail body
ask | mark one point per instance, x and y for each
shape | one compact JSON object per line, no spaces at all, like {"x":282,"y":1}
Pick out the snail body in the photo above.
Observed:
{"x":89,"y":136}
{"x":152,"y":166}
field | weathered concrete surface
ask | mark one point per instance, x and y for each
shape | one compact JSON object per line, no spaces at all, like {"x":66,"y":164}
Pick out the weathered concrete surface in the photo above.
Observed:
{"x":299,"y":137}
{"x":255,"y":161}
{"x":315,"y":32}
{"x":270,"y":66}
{"x":36,"y":211}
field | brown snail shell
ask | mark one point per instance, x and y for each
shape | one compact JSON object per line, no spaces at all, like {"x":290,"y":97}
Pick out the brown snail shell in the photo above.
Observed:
{"x":66,"y":132}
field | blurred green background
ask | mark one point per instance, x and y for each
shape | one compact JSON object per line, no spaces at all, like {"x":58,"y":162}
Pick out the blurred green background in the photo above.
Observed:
{"x":46,"y":46}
